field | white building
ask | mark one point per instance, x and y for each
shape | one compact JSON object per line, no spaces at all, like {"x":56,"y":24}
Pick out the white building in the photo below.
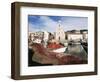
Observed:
{"x":45,"y":38}
{"x":31,"y":36}
{"x":37,"y":41}
{"x":35,"y":35}
{"x":60,"y":34}
{"x":85,"y":35}
{"x":75,"y":36}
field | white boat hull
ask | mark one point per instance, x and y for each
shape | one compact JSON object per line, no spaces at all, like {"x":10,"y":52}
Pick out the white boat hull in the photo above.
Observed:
{"x":60,"y":50}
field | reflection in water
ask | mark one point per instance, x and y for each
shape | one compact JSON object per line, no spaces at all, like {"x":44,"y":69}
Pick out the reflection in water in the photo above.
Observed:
{"x":77,"y":50}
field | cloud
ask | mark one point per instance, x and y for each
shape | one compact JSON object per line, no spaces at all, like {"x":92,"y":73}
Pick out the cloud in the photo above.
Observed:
{"x":32,"y":28}
{"x":50,"y":25}
{"x":77,"y":23}
{"x":47,"y":24}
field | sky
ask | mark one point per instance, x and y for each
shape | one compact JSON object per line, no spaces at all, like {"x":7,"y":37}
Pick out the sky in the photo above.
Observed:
{"x":50,"y":23}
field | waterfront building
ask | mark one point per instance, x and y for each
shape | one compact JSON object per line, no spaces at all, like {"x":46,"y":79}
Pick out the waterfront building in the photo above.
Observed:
{"x":75,"y":36}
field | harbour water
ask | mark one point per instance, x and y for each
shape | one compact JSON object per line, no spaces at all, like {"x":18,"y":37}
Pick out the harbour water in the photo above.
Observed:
{"x":77,"y":50}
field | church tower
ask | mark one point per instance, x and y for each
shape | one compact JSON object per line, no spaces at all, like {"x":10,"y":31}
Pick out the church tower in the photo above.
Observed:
{"x":60,"y":34}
